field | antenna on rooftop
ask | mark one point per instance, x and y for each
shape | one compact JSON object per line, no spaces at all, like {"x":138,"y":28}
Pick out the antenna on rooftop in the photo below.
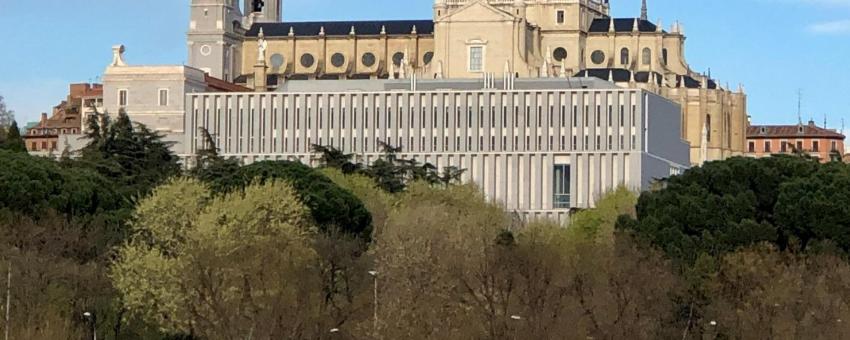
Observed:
{"x":800,"y":106}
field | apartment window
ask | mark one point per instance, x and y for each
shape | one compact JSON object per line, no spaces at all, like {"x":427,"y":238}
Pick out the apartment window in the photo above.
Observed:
{"x":767,"y":146}
{"x":783,"y":146}
{"x":834,"y":146}
{"x":561,"y":187}
{"x":476,"y":58}
{"x":561,"y":17}
{"x":752,"y":147}
{"x":122,"y":98}
{"x":816,"y":146}
{"x":163,"y":97}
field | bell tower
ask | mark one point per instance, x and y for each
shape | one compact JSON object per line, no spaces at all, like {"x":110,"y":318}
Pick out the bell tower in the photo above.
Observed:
{"x":263,"y":10}
{"x":214,"y":38}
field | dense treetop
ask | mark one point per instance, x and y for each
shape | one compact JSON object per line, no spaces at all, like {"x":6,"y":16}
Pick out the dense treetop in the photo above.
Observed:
{"x":790,"y":201}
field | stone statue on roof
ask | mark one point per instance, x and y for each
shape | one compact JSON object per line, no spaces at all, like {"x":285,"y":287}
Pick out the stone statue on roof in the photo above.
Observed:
{"x":262,"y":46}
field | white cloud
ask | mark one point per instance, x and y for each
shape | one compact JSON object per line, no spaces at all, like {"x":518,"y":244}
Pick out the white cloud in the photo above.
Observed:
{"x":830,"y":27}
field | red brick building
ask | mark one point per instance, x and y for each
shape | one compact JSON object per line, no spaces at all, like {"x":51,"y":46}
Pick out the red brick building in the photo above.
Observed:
{"x":67,"y":118}
{"x":765,"y":140}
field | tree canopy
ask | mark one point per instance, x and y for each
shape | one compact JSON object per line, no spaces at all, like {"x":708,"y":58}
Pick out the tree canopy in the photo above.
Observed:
{"x":134,"y":156}
{"x":788,"y":201}
{"x":12,"y":140}
{"x":331,"y":206}
{"x":221,"y":267}
{"x":7,"y":116}
{"x":32,"y":186}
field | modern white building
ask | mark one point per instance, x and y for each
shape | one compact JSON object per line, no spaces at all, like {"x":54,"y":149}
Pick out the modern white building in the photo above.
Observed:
{"x":540,"y":146}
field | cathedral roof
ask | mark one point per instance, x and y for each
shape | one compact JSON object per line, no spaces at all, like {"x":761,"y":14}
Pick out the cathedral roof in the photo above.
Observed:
{"x":621,"y":25}
{"x":342,"y":28}
{"x":618,"y":75}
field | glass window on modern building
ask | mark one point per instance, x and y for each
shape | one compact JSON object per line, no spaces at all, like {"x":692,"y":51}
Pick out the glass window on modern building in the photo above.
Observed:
{"x":561,"y":188}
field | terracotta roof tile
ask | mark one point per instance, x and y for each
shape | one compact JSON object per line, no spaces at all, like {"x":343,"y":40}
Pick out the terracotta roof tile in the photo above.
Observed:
{"x":791,"y":131}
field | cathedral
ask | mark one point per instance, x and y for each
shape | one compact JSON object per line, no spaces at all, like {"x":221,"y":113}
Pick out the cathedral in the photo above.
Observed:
{"x":249,"y":44}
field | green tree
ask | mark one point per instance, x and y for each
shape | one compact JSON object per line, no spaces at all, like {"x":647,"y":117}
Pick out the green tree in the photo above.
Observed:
{"x":7,"y":116}
{"x":722,"y":206}
{"x":332,"y":207}
{"x":223,"y":267}
{"x":211,"y":167}
{"x":135,"y":157}
{"x":331,"y":157}
{"x":13,"y":141}
{"x":32,"y":185}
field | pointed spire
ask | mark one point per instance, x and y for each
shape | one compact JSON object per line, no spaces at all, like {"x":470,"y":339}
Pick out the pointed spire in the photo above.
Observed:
{"x":507,"y":67}
{"x":658,"y":26}
{"x":414,"y":30}
{"x":291,"y":31}
{"x":611,"y":28}
{"x":322,"y":31}
{"x":644,"y":13}
{"x":261,"y":35}
{"x":563,"y":68}
{"x":383,"y":30}
{"x":439,"y":73}
{"x":544,"y":71}
{"x":352,"y":32}
{"x":636,"y":26}
{"x":392,"y":70}
{"x":632,"y":76}
{"x":611,"y":75}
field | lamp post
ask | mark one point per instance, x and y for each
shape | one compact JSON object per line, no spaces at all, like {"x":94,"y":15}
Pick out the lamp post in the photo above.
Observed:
{"x":93,"y":319}
{"x":516,"y":328}
{"x":374,"y":275}
{"x":8,"y":298}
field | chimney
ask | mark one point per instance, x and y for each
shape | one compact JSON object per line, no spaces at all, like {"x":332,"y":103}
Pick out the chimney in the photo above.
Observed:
{"x":44,"y":117}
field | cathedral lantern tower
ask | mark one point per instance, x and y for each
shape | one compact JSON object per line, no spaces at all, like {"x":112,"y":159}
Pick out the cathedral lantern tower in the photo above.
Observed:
{"x":263,"y":10}
{"x":215,"y":37}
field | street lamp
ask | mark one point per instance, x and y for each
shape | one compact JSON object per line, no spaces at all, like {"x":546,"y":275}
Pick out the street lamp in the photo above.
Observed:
{"x":374,"y":275}
{"x":93,"y":320}
{"x":516,"y":328}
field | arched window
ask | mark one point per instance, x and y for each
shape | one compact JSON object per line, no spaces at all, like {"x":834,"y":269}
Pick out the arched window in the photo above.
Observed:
{"x":664,"y":55}
{"x":647,"y":56}
{"x":624,"y":56}
{"x":708,"y":128}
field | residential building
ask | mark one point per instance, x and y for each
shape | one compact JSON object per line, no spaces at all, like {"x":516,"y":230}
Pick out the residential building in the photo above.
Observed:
{"x":822,"y":143}
{"x":52,"y":133}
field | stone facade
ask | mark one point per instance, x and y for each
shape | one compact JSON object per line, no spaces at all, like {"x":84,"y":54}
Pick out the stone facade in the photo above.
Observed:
{"x":470,"y":38}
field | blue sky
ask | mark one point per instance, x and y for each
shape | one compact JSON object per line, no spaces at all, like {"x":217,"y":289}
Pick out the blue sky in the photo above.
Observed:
{"x":773,"y":47}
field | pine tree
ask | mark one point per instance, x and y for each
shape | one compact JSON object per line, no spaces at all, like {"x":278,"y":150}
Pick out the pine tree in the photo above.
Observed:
{"x":14,"y":141}
{"x":6,"y":118}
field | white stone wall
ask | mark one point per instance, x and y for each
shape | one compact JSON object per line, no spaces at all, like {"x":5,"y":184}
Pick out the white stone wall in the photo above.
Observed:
{"x":508,"y":140}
